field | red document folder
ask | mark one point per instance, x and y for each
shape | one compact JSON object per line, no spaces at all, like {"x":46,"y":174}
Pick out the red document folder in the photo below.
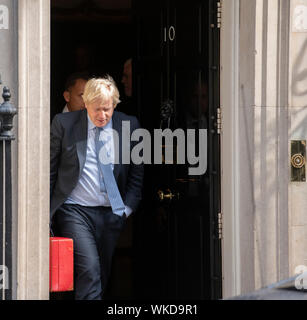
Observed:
{"x":61,"y":265}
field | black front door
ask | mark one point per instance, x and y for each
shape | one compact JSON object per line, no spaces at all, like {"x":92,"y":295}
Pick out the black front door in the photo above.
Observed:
{"x":176,"y":81}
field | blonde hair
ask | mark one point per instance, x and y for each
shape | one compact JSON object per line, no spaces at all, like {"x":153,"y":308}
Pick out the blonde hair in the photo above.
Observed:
{"x":102,"y":89}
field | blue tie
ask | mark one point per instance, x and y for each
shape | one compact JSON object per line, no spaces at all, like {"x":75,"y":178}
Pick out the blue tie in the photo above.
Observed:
{"x":107,"y":179}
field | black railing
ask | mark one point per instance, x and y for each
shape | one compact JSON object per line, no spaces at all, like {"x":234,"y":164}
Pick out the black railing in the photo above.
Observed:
{"x":7,"y":113}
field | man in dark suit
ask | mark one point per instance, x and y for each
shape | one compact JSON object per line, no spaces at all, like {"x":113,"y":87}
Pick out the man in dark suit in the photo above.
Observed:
{"x":91,"y":193}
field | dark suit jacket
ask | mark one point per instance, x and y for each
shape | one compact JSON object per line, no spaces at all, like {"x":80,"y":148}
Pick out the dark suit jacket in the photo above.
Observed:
{"x":67,"y":158}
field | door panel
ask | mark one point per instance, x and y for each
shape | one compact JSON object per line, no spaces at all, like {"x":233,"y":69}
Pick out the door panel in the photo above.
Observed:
{"x":176,"y":232}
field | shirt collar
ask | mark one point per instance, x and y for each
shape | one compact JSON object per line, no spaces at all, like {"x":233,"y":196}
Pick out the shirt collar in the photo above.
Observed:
{"x":91,"y":125}
{"x":65,"y":109}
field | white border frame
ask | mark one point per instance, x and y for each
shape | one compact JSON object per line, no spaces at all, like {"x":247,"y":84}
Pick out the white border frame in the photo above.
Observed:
{"x":231,"y":263}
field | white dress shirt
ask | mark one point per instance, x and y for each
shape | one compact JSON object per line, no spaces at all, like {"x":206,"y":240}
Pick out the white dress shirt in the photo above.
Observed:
{"x":65,"y":109}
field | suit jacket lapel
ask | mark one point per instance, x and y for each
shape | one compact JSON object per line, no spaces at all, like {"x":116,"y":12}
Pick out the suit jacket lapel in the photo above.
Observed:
{"x":80,"y":133}
{"x":117,"y":126}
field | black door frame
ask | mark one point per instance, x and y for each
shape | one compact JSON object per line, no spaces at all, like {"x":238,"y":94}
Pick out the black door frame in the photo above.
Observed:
{"x":215,"y":149}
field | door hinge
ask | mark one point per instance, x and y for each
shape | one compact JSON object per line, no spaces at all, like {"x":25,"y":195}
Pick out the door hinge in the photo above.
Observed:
{"x":219,"y":15}
{"x":220,"y":225}
{"x":219,"y":120}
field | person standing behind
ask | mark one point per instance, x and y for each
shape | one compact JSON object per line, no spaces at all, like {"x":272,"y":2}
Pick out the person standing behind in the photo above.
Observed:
{"x":74,"y":88}
{"x":127,"y":78}
{"x":89,"y":198}
{"x":128,"y":104}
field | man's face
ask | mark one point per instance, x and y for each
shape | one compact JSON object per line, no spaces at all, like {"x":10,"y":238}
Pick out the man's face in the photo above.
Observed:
{"x":73,"y":96}
{"x":100,"y":113}
{"x":127,"y":79}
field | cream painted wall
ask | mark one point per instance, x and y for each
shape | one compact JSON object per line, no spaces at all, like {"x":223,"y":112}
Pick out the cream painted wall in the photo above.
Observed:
{"x":257,"y":215}
{"x":270,"y":140}
{"x":231,"y":264}
{"x":33,"y":149}
{"x":264,"y":112}
{"x":298,"y":128}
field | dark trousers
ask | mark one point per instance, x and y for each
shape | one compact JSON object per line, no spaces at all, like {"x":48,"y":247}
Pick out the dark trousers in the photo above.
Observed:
{"x":94,"y":231}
